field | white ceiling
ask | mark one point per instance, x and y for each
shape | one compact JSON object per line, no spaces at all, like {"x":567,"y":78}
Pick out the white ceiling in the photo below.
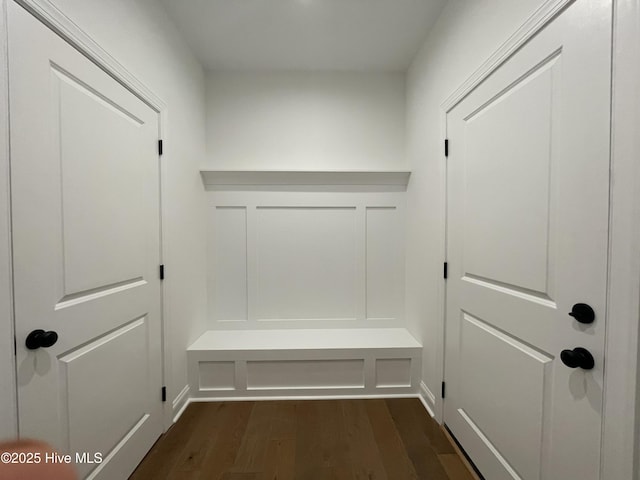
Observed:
{"x":353,"y":35}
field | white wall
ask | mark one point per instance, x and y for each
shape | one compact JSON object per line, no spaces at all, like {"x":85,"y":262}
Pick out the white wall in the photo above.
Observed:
{"x":466,"y":34}
{"x":305,"y":121}
{"x":140,"y":36}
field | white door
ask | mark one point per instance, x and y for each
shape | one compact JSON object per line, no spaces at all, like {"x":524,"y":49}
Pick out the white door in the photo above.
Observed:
{"x":85,"y":200}
{"x":528,"y":178}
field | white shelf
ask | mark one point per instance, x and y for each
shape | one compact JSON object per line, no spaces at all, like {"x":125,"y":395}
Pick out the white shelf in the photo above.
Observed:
{"x":305,"y":339}
{"x":304,"y":177}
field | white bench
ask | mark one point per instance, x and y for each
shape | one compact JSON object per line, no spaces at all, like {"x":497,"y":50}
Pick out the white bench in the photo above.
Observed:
{"x":304,"y":363}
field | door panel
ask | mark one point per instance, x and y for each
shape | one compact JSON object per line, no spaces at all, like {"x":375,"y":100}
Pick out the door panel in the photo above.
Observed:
{"x":85,"y":210}
{"x":528,"y":179}
{"x":493,"y":365}
{"x":508,"y":184}
{"x":98,"y":368}
{"x":98,"y":254}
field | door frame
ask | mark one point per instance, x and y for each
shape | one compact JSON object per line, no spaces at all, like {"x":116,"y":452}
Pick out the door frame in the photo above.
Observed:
{"x":54,"y":19}
{"x":620,"y":436}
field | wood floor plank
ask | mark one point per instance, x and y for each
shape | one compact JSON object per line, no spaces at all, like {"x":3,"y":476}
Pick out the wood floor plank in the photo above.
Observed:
{"x":280,"y":463}
{"x":203,"y":435}
{"x":253,"y":449}
{"x":392,"y":451}
{"x":284,"y":421}
{"x":365,"y":456}
{"x":393,"y":439}
{"x":432,"y":430}
{"x":223,"y":452}
{"x":454,"y":467}
{"x":308,"y":457}
{"x":416,"y":442}
{"x":281,"y":451}
{"x":321,"y":444}
{"x":333,"y":437}
{"x":240,"y":476}
{"x":460,"y":454}
{"x":163,"y":456}
{"x":181,"y":445}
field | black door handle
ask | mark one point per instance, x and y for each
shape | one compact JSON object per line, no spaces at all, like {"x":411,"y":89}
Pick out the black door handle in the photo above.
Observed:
{"x":583,"y":313}
{"x":41,"y":339}
{"x":578,"y":357}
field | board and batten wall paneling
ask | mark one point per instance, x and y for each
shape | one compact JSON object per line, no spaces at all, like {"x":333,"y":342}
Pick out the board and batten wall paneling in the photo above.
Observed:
{"x":384,"y":262}
{"x":305,"y":259}
{"x":228,"y":255}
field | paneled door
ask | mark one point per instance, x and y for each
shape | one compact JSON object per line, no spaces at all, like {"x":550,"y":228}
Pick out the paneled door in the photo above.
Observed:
{"x":528,"y":203}
{"x":86,"y":241}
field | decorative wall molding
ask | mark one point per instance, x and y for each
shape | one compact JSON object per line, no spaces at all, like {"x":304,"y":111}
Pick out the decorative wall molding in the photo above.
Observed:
{"x":55,"y":19}
{"x":536,"y":22}
{"x":305,"y":259}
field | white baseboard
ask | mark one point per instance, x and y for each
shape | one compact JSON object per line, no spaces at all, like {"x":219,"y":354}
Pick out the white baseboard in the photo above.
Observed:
{"x":301,"y":397}
{"x":428,"y":399}
{"x":180,"y":403}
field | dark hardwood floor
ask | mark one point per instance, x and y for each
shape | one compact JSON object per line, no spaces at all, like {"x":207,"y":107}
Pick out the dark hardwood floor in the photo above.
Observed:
{"x":392,"y":439}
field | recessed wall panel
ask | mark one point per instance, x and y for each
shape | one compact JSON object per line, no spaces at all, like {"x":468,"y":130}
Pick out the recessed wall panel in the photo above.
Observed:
{"x":384,"y":256}
{"x":301,"y":374}
{"x":228,"y":263}
{"x":217,"y":375}
{"x":393,"y":372}
{"x":306,"y":265}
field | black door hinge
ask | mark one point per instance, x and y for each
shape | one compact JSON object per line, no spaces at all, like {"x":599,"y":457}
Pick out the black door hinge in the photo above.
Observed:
{"x":446,"y":147}
{"x":15,"y":346}
{"x":161,"y":272}
{"x":445,"y":270}
{"x":160,"y":147}
{"x":164,"y":394}
{"x":443,"y":389}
